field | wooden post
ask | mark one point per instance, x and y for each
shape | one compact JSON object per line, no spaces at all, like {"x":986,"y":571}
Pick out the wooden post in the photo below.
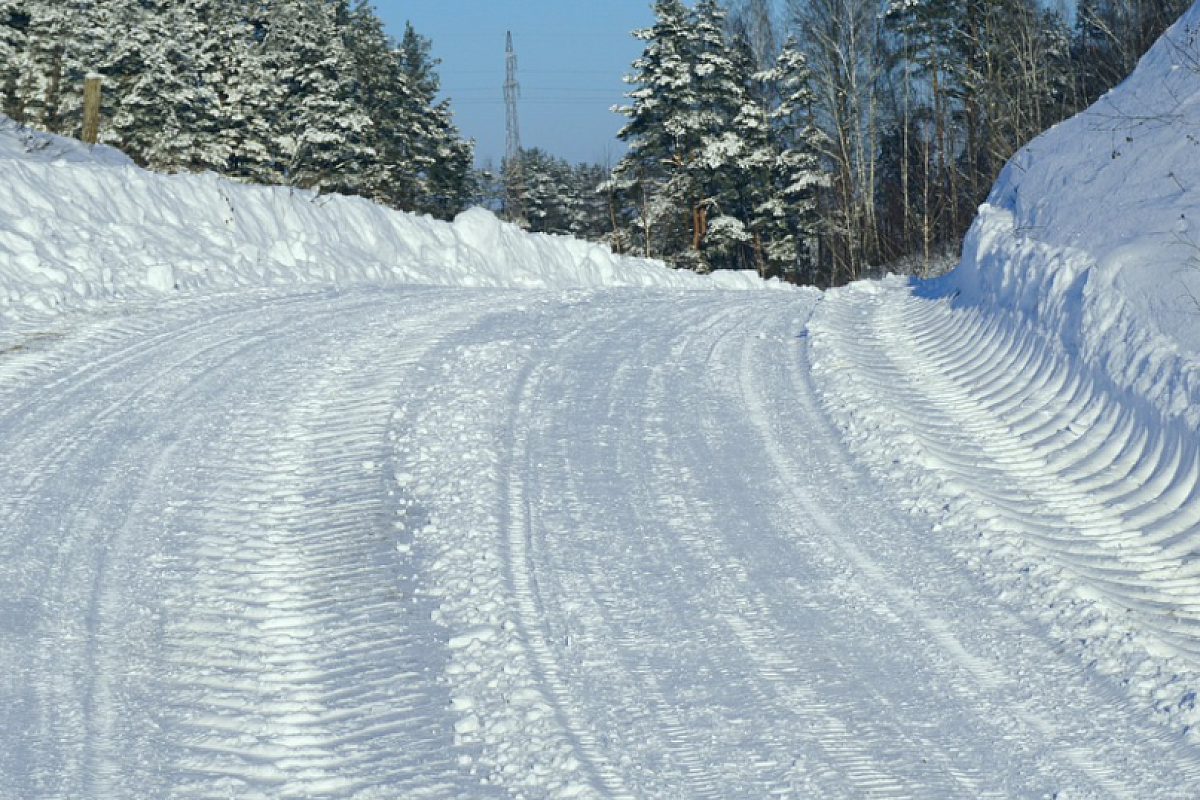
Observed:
{"x":91,"y":108}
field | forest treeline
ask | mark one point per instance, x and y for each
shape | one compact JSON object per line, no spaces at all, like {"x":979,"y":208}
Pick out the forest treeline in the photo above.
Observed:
{"x":819,"y":139}
{"x":807,"y":139}
{"x":306,"y":93}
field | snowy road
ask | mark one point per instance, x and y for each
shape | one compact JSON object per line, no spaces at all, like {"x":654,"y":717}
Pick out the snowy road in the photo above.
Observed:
{"x":479,"y":543}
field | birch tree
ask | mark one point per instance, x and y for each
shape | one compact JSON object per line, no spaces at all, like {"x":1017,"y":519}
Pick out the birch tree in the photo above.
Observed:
{"x":841,"y":39}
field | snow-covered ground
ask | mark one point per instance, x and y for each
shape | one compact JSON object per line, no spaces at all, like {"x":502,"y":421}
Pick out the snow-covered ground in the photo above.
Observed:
{"x":306,"y":498}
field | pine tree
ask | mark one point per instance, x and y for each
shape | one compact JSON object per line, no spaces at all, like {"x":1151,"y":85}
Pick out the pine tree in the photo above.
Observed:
{"x":790,"y":219}
{"x":438,"y":178}
{"x":14,"y":24}
{"x":732,"y":137}
{"x":322,"y":134}
{"x":698,"y":138}
{"x":168,"y":69}
{"x":590,"y":210}
{"x":450,"y":183}
{"x":116,"y":48}
{"x":663,"y":133}
{"x":249,"y":95}
{"x":45,"y":50}
{"x":386,"y":98}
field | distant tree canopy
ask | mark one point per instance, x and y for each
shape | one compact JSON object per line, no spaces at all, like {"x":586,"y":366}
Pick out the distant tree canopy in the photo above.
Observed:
{"x":307,"y":93}
{"x":843,"y":135}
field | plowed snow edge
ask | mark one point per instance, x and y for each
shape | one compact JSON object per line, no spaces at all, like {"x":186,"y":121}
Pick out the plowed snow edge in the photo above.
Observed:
{"x":1081,"y":500}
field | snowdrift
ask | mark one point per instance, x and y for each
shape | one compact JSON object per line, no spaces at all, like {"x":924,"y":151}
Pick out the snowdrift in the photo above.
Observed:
{"x":1092,"y":231}
{"x":1041,"y":403}
{"x":82,"y":227}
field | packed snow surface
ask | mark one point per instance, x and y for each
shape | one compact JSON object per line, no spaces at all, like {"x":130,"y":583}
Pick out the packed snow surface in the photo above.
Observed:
{"x":307,"y":498}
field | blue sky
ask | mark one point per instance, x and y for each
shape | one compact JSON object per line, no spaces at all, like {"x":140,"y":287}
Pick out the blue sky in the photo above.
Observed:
{"x":571,"y":58}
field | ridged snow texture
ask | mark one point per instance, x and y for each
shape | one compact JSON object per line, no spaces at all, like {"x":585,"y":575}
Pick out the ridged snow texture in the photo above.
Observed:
{"x":1081,"y":493}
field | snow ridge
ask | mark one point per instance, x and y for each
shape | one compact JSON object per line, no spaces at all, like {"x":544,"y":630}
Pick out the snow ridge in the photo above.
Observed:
{"x":1090,"y":231}
{"x":1081,"y":496}
{"x":83,"y":228}
{"x":1045,"y":395}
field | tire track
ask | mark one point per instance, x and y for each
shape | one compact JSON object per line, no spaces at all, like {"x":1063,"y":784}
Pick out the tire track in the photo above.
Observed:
{"x":207,"y":527}
{"x":300,"y":666}
{"x":74,"y":668}
{"x":678,"y":615}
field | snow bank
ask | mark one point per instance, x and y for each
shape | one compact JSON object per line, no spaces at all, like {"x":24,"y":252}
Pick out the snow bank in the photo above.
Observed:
{"x":82,"y":227}
{"x":1041,"y":402}
{"x":1092,"y":231}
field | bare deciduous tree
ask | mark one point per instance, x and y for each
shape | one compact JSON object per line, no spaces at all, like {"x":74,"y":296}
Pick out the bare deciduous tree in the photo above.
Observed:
{"x":841,"y":39}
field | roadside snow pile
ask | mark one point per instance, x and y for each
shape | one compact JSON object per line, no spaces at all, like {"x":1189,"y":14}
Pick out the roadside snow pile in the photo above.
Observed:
{"x":1092,"y":231}
{"x":81,"y":227}
{"x":1041,"y":403}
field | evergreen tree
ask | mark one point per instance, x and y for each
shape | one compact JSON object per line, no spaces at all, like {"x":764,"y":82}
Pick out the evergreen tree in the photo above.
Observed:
{"x":590,"y":211}
{"x":438,"y":177}
{"x":701,"y":147}
{"x":322,"y":134}
{"x":664,"y":134}
{"x":167,"y":114}
{"x":249,"y":94}
{"x":386,"y":97}
{"x":733,"y":144}
{"x":14,"y":25}
{"x":44,"y":46}
{"x":549,"y":195}
{"x":790,"y":220}
{"x":307,"y":92}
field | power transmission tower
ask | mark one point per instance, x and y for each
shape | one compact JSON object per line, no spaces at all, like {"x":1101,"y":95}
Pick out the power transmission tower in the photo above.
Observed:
{"x":513,"y":180}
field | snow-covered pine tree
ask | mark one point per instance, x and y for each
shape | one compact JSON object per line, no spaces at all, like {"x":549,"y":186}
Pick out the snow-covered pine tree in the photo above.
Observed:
{"x":14,"y":23}
{"x":664,"y":133}
{"x":450,"y":183}
{"x":439,"y":173}
{"x":746,"y":179}
{"x":386,"y":97}
{"x":48,"y":76}
{"x":732,"y":141}
{"x":321,"y":134}
{"x":168,"y":112}
{"x":115,"y":44}
{"x":695,"y":135}
{"x":589,"y":207}
{"x":552,"y":198}
{"x":790,"y":218}
{"x":250,"y":94}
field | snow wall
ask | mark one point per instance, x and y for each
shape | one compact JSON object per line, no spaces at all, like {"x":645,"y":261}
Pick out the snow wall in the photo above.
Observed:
{"x":1092,"y":231}
{"x":82,"y":227}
